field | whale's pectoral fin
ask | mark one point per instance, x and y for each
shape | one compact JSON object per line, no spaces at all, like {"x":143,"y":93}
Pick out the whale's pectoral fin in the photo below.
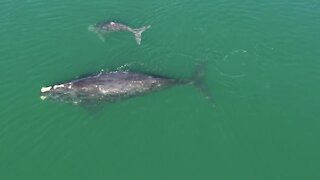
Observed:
{"x":95,"y":30}
{"x":101,"y":37}
{"x":137,"y":33}
{"x":93,"y":109}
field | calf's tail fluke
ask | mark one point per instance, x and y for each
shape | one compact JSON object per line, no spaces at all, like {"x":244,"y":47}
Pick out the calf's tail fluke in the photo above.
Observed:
{"x":198,"y":80}
{"x":137,"y":33}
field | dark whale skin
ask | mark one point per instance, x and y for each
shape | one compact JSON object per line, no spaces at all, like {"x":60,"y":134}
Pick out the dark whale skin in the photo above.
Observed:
{"x":106,"y":86}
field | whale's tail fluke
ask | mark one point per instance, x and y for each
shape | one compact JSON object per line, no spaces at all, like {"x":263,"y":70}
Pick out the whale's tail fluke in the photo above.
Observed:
{"x":137,"y":33}
{"x":198,"y":80}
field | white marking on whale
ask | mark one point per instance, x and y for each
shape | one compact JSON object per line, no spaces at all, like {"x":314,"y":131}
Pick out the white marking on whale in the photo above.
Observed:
{"x":58,"y":86}
{"x":45,"y":89}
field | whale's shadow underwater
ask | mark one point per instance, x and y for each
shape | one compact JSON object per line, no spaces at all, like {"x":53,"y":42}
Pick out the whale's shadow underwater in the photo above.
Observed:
{"x":119,"y":85}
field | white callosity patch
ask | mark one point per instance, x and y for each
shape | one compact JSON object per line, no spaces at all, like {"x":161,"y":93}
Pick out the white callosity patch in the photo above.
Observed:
{"x":43,"y":97}
{"x":58,"y":86}
{"x":45,"y":89}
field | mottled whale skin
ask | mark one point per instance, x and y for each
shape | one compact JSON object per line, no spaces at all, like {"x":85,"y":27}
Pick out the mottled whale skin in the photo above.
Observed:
{"x":106,"y":86}
{"x":118,"y":85}
{"x":106,"y":27}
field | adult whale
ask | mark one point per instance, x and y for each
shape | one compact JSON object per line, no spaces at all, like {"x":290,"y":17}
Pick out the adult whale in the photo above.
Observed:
{"x":106,"y":27}
{"x":118,"y":85}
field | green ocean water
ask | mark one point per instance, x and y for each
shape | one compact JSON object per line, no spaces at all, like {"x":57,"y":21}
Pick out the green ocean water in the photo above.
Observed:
{"x":263,"y":69}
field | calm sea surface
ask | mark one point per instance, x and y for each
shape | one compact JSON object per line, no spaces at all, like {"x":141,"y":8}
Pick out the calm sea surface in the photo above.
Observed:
{"x":263,"y":69}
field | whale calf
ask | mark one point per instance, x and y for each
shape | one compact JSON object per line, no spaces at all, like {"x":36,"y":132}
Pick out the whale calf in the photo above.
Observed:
{"x":116,"y":85}
{"x":106,"y":27}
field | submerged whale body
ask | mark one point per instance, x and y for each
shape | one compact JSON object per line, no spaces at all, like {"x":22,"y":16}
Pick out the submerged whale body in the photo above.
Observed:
{"x":113,"y":86}
{"x":104,"y":28}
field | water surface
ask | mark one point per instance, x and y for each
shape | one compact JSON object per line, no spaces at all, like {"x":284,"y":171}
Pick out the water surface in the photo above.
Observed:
{"x":262,"y":68}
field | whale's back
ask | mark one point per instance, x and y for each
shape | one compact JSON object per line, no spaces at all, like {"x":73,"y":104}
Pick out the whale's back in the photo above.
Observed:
{"x":108,"y":86}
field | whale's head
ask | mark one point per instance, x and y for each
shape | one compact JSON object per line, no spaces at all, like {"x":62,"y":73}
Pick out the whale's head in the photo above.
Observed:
{"x":92,"y":28}
{"x":61,"y":92}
